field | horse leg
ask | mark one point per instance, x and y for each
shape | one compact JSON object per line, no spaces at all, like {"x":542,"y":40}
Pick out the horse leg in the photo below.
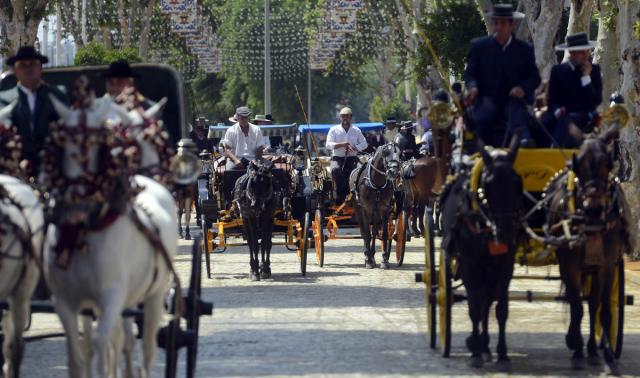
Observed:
{"x":474,"y":342}
{"x":187,"y":216}
{"x":179,"y":210}
{"x":16,"y":322}
{"x":252,"y":241}
{"x":111,"y":307}
{"x":502,"y":313}
{"x":87,"y":332}
{"x":601,"y":300}
{"x":484,"y":336}
{"x":129,"y":339}
{"x":69,"y":319}
{"x":385,"y":242}
{"x":592,"y":347}
{"x":571,"y":273}
{"x":365,"y":232}
{"x":265,"y":244}
{"x":153,"y":311}
{"x":117,"y":348}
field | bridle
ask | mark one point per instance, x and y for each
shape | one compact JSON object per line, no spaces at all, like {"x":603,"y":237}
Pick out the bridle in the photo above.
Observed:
{"x":389,"y":165}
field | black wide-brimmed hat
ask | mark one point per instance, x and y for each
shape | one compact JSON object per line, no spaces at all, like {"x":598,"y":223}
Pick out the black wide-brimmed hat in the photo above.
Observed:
{"x":505,"y":11}
{"x":390,"y":120}
{"x":407,"y":125}
{"x":27,"y":53}
{"x":577,"y":42}
{"x":120,"y":68}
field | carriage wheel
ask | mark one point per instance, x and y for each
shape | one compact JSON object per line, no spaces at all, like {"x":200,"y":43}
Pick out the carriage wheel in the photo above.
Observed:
{"x":616,"y":308}
{"x":168,"y":337}
{"x":205,"y":245}
{"x":318,"y":237}
{"x":401,"y":234}
{"x":444,"y":297}
{"x":431,"y":282}
{"x":304,"y":244}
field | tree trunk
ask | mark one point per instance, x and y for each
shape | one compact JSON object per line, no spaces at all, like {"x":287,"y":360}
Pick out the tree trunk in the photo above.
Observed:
{"x":629,"y":139}
{"x":485,"y":7}
{"x":124,"y":24}
{"x":606,"y":52}
{"x":543,"y":20}
{"x":143,"y":49}
{"x":21,"y":23}
{"x":579,"y":18}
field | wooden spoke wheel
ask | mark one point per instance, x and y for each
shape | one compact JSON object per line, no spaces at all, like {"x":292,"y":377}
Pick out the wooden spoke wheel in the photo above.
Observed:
{"x":444,"y":298}
{"x":168,"y":340}
{"x":318,"y":237}
{"x":401,"y":234}
{"x":303,"y":246}
{"x":616,"y":310}
{"x":430,"y":281}
{"x":194,"y":308}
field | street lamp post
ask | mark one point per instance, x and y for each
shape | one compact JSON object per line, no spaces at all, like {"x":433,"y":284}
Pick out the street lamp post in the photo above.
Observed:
{"x":267,"y":59}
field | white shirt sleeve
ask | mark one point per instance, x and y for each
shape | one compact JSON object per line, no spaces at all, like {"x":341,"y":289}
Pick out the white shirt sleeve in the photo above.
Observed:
{"x":361,"y":142}
{"x":229,"y":139}
{"x":331,"y":140}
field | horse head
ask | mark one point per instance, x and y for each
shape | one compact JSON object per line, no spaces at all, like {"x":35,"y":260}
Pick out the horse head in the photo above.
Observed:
{"x":390,"y":154}
{"x":592,"y":166}
{"x":260,"y":190}
{"x":500,"y":191}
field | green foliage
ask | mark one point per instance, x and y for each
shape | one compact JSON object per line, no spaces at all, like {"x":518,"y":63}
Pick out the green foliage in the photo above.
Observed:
{"x":95,"y":53}
{"x":394,"y":108}
{"x":636,"y":29}
{"x":450,"y":26}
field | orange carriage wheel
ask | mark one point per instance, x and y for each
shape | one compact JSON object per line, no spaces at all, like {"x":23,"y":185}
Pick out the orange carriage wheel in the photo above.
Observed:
{"x":318,"y":237}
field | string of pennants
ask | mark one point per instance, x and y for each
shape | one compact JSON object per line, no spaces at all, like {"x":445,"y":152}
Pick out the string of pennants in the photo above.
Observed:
{"x":339,"y":19}
{"x":187,"y":20}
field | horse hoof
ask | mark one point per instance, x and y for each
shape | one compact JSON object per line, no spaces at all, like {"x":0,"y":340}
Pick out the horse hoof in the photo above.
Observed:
{"x":594,"y":360}
{"x":504,"y":365}
{"x":368,"y":264}
{"x":578,"y":363}
{"x":476,"y":362}
{"x":613,"y":368}
{"x":265,"y":275}
{"x":384,"y":265}
{"x":187,"y":237}
{"x":487,"y":357}
{"x":255,"y":276}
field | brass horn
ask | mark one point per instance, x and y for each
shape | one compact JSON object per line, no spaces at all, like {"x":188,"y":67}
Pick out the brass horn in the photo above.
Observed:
{"x":440,"y":115}
{"x":618,"y":114}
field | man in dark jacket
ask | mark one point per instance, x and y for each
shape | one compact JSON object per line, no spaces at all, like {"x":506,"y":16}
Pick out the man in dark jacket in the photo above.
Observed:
{"x":501,"y":77}
{"x":119,"y":80}
{"x":33,"y":111}
{"x":575,"y":90}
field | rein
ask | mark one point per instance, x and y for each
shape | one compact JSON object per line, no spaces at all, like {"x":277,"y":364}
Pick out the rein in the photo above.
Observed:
{"x":370,"y":166}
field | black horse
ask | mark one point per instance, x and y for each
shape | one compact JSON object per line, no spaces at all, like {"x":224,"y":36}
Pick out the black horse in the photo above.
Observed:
{"x":372,"y":185}
{"x":481,"y":229}
{"x":599,"y":217}
{"x":255,"y":197}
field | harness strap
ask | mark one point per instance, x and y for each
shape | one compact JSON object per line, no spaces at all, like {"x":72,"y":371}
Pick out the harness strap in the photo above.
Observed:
{"x":152,"y":236}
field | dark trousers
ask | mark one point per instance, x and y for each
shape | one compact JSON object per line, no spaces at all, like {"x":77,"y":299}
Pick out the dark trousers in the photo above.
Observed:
{"x":341,"y":168}
{"x":560,"y":127}
{"x":488,"y":114}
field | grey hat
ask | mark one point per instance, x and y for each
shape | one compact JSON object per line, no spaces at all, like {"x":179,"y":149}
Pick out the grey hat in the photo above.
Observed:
{"x":243,"y":111}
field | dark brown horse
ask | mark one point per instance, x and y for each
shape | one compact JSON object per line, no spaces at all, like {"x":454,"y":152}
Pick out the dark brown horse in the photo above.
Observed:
{"x":481,"y":228}
{"x":595,"y":207}
{"x":372,"y":184}
{"x":430,"y":175}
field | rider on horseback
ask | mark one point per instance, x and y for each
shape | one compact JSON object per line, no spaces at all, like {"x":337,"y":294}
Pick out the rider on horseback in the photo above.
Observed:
{"x":345,"y":140}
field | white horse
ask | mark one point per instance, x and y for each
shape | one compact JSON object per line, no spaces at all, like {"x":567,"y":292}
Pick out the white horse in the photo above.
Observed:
{"x":21,"y":235}
{"x":122,"y":266}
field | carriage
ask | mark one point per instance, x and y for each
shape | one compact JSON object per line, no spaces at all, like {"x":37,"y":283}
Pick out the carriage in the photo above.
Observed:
{"x":329,"y":216}
{"x":156,"y":81}
{"x":222,"y":228}
{"x":537,"y":168}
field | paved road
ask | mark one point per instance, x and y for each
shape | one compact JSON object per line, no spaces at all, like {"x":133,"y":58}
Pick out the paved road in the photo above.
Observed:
{"x":343,"y":320}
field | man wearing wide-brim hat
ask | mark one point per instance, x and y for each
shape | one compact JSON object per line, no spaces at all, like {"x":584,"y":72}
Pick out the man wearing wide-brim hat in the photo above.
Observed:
{"x":390,"y":129}
{"x":243,"y":141}
{"x":119,"y":83}
{"x":33,"y":110}
{"x":575,"y":90}
{"x":501,"y":77}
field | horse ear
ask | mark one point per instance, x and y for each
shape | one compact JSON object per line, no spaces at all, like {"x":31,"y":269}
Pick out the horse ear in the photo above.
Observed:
{"x":155,"y":111}
{"x":63,"y":110}
{"x":5,"y":113}
{"x":576,"y":134}
{"x":610,"y":134}
{"x":514,"y":145}
{"x":486,"y":156}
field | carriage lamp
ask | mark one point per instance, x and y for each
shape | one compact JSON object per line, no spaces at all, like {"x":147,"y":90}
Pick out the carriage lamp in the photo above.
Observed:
{"x":186,"y":165}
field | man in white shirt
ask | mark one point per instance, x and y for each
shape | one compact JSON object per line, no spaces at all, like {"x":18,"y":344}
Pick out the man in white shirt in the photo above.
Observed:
{"x":243,"y":141}
{"x":345,"y":141}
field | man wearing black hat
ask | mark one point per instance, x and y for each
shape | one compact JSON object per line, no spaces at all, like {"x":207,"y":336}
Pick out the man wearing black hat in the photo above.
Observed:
{"x":33,"y":111}
{"x":575,"y":90}
{"x":501,"y":77}
{"x":119,"y":79}
{"x":390,"y":129}
{"x":199,"y":135}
